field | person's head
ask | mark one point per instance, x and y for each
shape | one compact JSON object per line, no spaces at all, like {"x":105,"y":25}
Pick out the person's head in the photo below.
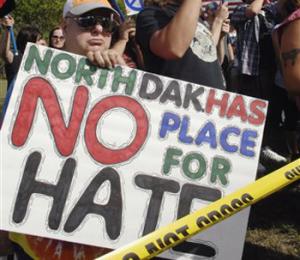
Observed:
{"x":88,"y":25}
{"x":286,"y":7}
{"x":56,"y":38}
{"x":27,"y":34}
{"x":42,"y":42}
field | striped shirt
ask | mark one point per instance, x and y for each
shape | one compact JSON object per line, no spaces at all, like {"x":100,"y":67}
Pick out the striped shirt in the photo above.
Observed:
{"x":249,"y":31}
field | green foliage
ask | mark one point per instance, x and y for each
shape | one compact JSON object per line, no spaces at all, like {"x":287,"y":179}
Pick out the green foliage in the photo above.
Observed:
{"x":122,"y":6}
{"x":45,"y":14}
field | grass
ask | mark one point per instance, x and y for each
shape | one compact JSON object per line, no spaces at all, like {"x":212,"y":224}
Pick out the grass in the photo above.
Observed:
{"x":274,"y":223}
{"x":3,"y":86}
{"x":274,"y":227}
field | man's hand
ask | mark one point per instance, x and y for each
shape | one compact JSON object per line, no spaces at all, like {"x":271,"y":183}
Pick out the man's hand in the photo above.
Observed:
{"x":127,"y":30}
{"x":225,"y":27}
{"x":106,"y":59}
{"x":7,"y":21}
{"x":222,"y":12}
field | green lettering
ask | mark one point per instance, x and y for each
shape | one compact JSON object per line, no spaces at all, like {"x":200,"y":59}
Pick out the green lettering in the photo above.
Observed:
{"x":34,"y":55}
{"x":220,"y":169}
{"x":129,"y":81}
{"x":201,"y":168}
{"x":170,"y":160}
{"x":102,"y":79}
{"x":55,"y":66}
{"x":85,"y":70}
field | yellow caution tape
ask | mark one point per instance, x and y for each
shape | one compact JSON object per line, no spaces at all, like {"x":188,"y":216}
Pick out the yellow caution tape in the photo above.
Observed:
{"x":182,"y":229}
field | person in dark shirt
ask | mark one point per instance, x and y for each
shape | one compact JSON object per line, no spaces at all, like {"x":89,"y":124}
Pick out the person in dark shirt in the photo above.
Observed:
{"x":13,"y":60}
{"x":176,"y":43}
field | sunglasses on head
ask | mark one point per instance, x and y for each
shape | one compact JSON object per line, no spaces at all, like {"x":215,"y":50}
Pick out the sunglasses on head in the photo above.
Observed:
{"x":107,"y":23}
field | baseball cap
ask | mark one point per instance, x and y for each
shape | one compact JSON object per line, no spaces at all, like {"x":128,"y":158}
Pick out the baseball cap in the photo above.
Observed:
{"x":78,"y":7}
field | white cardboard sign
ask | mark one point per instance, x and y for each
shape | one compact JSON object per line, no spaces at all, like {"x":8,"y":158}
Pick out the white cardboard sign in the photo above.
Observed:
{"x":102,"y":157}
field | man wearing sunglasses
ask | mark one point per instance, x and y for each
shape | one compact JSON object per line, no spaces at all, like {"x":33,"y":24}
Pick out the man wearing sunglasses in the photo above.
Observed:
{"x":88,"y":27}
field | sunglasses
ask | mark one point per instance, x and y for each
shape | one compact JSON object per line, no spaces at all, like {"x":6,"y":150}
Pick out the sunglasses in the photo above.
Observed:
{"x":58,"y":37}
{"x":87,"y":22}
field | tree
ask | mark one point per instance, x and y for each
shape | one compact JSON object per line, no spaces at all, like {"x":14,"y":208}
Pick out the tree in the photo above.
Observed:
{"x":45,"y":14}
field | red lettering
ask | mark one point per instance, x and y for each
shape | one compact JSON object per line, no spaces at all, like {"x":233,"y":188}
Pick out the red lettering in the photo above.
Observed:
{"x":212,"y":101}
{"x":237,"y":109}
{"x":64,"y":136}
{"x":256,"y":107}
{"x":99,"y":152}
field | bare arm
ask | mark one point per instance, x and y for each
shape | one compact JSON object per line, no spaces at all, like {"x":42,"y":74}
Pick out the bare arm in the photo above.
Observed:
{"x":230,"y":52}
{"x":172,"y":41}
{"x":290,"y":56}
{"x":221,"y":15}
{"x":5,"y":50}
{"x":254,"y":8}
{"x":127,"y":29}
{"x":223,"y":40}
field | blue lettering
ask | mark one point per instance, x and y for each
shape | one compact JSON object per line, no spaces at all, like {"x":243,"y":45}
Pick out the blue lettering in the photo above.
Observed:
{"x":246,"y":143}
{"x":224,"y":136}
{"x":183,"y":131}
{"x":170,"y":122}
{"x":207,"y":134}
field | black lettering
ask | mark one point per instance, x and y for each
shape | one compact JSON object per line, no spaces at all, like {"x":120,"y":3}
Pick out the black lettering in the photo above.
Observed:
{"x":29,"y":186}
{"x":144,"y":92}
{"x":296,"y":171}
{"x":214,"y":216}
{"x":151,"y":248}
{"x":202,"y":222}
{"x":190,"y":192}
{"x":192,"y":96}
{"x":131,"y":256}
{"x":226,"y":209}
{"x":158,"y":186}
{"x":112,"y":211}
{"x":183,"y":230}
{"x":289,"y":175}
{"x":170,"y":238}
{"x":160,"y":243}
{"x":172,"y":93}
{"x":236,"y":203}
{"x":196,"y":249}
{"x":246,"y":198}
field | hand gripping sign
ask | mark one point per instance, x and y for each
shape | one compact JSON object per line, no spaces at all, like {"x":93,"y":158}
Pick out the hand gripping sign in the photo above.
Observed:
{"x":103,"y":157}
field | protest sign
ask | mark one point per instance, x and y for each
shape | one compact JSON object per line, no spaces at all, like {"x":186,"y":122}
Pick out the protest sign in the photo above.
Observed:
{"x":133,"y":6}
{"x":103,"y":157}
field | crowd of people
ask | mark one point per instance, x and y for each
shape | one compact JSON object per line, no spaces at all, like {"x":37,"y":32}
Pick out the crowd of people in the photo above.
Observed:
{"x":254,"y":51}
